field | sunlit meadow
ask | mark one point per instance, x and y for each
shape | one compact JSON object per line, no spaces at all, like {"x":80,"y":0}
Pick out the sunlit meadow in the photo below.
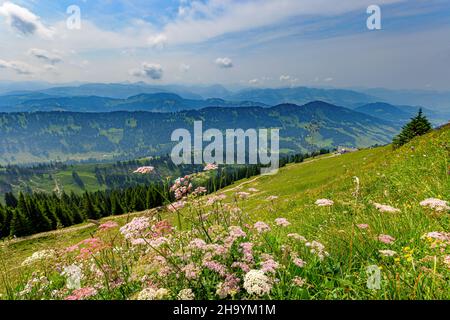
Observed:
{"x":373,"y":224}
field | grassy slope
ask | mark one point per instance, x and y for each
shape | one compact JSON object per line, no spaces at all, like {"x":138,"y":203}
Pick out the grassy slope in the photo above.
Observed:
{"x":400,"y":178}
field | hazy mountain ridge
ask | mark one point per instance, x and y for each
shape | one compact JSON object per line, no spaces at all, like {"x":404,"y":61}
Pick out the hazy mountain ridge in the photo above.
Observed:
{"x":157,"y":102}
{"x":40,"y":136}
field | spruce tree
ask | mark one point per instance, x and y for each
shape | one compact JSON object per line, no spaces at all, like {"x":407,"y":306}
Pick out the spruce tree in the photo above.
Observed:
{"x":419,"y":125}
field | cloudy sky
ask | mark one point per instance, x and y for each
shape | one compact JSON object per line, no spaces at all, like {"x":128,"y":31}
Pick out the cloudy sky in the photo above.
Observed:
{"x":260,"y":43}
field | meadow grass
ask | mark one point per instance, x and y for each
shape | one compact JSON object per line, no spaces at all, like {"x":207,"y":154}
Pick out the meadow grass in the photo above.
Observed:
{"x":349,"y":230}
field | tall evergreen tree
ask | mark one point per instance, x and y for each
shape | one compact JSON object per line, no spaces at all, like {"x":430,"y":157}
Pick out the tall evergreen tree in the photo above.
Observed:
{"x":419,"y":125}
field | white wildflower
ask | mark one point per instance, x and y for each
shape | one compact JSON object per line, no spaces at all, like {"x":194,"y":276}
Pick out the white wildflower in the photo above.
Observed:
{"x":257,"y":283}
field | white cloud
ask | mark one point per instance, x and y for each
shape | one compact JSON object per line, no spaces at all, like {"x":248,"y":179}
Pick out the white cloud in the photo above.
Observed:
{"x":45,"y":55}
{"x":254,"y":82}
{"x":199,"y":21}
{"x":329,"y":79}
{"x":285,"y":78}
{"x":224,"y":63}
{"x":17,"y":66}
{"x":159,"y":41}
{"x":148,"y":70}
{"x":24,"y":21}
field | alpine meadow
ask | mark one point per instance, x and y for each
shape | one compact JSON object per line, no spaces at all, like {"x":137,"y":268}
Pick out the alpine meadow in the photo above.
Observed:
{"x":243,"y":152}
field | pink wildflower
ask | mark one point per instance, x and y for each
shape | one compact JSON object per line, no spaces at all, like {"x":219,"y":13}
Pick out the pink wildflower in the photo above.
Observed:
{"x":247,"y":251}
{"x":282,"y":222}
{"x":241,"y":265}
{"x":324,"y":202}
{"x":216,"y":267}
{"x":144,"y":170}
{"x":229,"y":287}
{"x":108,"y":225}
{"x":261,"y":227}
{"x":385,"y":238}
{"x":173,"y":207}
{"x":82,"y":293}
{"x":298,"y":282}
{"x":362,"y":226}
{"x":435,"y":204}
{"x":210,"y":167}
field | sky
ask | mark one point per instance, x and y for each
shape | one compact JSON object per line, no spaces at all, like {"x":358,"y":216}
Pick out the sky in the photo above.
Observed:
{"x":253,"y":43}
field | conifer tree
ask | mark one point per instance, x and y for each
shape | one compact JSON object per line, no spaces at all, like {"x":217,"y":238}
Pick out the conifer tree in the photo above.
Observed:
{"x":419,"y":125}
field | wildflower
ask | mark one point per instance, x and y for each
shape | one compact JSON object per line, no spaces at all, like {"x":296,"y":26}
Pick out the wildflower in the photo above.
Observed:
{"x":257,"y":283}
{"x":269,"y":265}
{"x":173,"y":207}
{"x":447,"y":261}
{"x":362,"y":226}
{"x":241,"y":265}
{"x":197,"y":244}
{"x":73,"y":274}
{"x":215,"y":199}
{"x":441,"y":236}
{"x":236,"y":232}
{"x":385,"y":238}
{"x":298,"y":282}
{"x":298,"y":262}
{"x":39,"y":255}
{"x":247,"y":248}
{"x":282,"y":222}
{"x":144,"y":170}
{"x":181,"y":187}
{"x":200,"y":190}
{"x":385,"y":208}
{"x":318,"y":249}
{"x":82,"y":293}
{"x":242,"y":195}
{"x":108,"y":225}
{"x":215,"y":266}
{"x":186,"y":294}
{"x":161,"y":228}
{"x":191,"y":271}
{"x":153,"y":294}
{"x":261,"y":227}
{"x":210,"y":167}
{"x":435,"y":204}
{"x":297,"y":237}
{"x":253,"y":190}
{"x":387,"y":253}
{"x":229,"y":287}
{"x":135,"y":228}
{"x":272,"y":198}
{"x":324,"y":202}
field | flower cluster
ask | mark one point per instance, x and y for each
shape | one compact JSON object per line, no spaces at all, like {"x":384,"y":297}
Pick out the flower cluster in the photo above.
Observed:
{"x":210,"y":167}
{"x":385,"y":208}
{"x":181,"y":187}
{"x":435,"y":204}
{"x":324,"y":202}
{"x":144,"y":170}
{"x":38,"y":256}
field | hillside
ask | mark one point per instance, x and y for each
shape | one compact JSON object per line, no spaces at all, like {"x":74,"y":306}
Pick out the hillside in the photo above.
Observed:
{"x":302,"y":95}
{"x":406,"y":242}
{"x":37,"y":137}
{"x":400,"y":114}
{"x":155,"y":102}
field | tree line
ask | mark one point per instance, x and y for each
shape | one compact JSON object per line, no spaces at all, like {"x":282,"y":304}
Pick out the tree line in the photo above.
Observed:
{"x":33,"y":213}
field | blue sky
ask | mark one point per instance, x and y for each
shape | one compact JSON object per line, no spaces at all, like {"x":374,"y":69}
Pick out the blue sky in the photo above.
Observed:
{"x":260,"y":43}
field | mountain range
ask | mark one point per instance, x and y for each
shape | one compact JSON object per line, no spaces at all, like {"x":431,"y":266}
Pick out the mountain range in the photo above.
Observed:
{"x":43,"y":136}
{"x":157,"y":102}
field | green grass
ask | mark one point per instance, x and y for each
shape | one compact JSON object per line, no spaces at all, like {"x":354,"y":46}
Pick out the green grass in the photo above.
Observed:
{"x":400,"y":178}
